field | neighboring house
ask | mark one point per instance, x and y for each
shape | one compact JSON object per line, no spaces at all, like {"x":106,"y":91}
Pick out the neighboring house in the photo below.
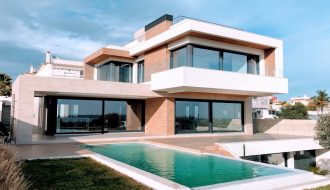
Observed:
{"x":266,"y":107}
{"x":5,"y":107}
{"x":261,"y":107}
{"x":56,"y":67}
{"x":178,"y":76}
{"x":304,"y":100}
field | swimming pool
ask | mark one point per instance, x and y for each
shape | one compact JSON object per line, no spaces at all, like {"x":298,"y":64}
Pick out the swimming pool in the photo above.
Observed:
{"x":189,"y":169}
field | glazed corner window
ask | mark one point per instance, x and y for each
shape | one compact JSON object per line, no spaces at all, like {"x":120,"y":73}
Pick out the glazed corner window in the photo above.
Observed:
{"x":140,"y":70}
{"x":216,"y":59}
{"x":115,"y":71}
{"x":179,"y":57}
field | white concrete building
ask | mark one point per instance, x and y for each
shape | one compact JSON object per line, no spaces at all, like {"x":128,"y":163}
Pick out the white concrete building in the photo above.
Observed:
{"x":176,"y":77}
{"x":62,"y":68}
{"x":304,"y":100}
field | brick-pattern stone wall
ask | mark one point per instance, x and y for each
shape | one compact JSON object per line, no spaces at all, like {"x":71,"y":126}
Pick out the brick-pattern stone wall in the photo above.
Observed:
{"x":270,"y":62}
{"x":160,"y":28}
{"x":159,"y":116}
{"x":88,"y":71}
{"x":155,"y":61}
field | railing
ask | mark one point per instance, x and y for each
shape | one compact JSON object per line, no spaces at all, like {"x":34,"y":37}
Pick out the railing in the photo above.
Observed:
{"x":181,"y":18}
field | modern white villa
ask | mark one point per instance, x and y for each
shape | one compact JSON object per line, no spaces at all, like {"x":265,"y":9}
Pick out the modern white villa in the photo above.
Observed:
{"x":178,"y":79}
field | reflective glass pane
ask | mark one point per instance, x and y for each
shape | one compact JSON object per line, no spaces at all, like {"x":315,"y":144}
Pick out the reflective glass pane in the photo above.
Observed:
{"x":179,"y":57}
{"x":140,"y":72}
{"x":125,"y":72}
{"x":253,"y":64}
{"x":234,"y":62}
{"x":103,"y":72}
{"x":115,"y":115}
{"x":78,"y":116}
{"x":191,"y":116}
{"x":206,"y":58}
{"x":227,"y":116}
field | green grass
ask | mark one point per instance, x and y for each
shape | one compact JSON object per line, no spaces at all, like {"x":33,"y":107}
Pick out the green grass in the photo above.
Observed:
{"x":326,"y":187}
{"x":76,"y":173}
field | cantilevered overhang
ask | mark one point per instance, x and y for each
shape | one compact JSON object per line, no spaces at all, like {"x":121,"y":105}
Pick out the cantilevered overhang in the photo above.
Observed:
{"x":43,"y":86}
{"x":189,"y":79}
{"x":106,"y":53}
{"x":190,"y":27}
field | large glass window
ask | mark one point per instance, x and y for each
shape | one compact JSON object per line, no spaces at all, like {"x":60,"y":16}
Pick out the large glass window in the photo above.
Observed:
{"x":140,"y":75}
{"x":78,"y":116}
{"x":234,"y":62}
{"x":206,"y":58}
{"x":227,"y":116}
{"x":115,"y":71}
{"x":191,"y":116}
{"x":88,"y":115}
{"x":217,"y":59}
{"x":179,"y":57}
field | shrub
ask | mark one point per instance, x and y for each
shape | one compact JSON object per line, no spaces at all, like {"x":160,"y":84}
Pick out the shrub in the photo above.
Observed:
{"x":322,"y":130}
{"x":11,"y":176}
{"x":296,"y":111}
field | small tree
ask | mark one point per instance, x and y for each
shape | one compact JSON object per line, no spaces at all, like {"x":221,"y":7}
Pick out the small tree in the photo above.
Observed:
{"x":322,"y":130}
{"x":321,"y":99}
{"x":296,"y":111}
{"x":5,"y":84}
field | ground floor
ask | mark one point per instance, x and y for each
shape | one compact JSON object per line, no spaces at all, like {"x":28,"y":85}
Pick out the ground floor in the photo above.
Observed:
{"x":49,"y":106}
{"x":183,"y":113}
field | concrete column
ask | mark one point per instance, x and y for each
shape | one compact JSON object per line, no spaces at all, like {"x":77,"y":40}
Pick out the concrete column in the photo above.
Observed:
{"x":248,"y":122}
{"x":290,"y":159}
{"x":23,"y":108}
{"x":159,"y":116}
{"x":135,"y":72}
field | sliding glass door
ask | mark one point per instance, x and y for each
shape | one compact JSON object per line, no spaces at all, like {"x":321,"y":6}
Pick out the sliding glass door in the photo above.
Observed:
{"x":73,"y":115}
{"x":193,"y":116}
{"x":78,"y":116}
{"x":227,"y":117}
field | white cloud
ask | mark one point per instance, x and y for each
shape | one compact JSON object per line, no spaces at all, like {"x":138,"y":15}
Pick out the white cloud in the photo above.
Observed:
{"x":61,"y":43}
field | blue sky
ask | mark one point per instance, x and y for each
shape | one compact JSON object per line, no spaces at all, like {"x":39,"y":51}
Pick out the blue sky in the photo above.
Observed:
{"x":74,"y":29}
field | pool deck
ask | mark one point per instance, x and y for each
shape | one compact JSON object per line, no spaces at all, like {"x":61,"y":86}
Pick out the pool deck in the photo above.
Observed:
{"x":62,"y":146}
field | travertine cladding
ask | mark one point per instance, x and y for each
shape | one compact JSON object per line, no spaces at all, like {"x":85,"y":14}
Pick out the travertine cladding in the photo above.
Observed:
{"x":89,"y":71}
{"x":285,"y":126}
{"x":155,"y":61}
{"x":160,"y":112}
{"x":160,"y":28}
{"x":159,"y":116}
{"x":270,"y":62}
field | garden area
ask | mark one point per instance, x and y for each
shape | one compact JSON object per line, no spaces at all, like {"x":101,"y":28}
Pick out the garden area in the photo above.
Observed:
{"x":72,"y":173}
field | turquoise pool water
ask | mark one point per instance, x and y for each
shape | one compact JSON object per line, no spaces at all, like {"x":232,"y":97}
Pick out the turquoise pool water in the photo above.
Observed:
{"x":188,"y":169}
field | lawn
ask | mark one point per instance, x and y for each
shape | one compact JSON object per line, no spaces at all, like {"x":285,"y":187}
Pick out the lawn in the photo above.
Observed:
{"x":76,"y":173}
{"x":327,"y":187}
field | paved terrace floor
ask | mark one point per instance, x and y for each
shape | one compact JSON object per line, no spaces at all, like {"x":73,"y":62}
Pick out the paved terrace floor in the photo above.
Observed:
{"x":61,"y":146}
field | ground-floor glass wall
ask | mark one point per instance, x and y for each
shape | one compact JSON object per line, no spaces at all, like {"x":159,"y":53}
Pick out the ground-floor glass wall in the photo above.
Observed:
{"x":208,"y":116}
{"x":74,"y":115}
{"x":78,"y":116}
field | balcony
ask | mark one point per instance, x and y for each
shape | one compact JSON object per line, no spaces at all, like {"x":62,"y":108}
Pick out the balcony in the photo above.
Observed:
{"x":190,"y":79}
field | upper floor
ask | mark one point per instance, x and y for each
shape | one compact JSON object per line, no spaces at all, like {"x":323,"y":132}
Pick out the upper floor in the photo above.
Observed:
{"x":185,"y":54}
